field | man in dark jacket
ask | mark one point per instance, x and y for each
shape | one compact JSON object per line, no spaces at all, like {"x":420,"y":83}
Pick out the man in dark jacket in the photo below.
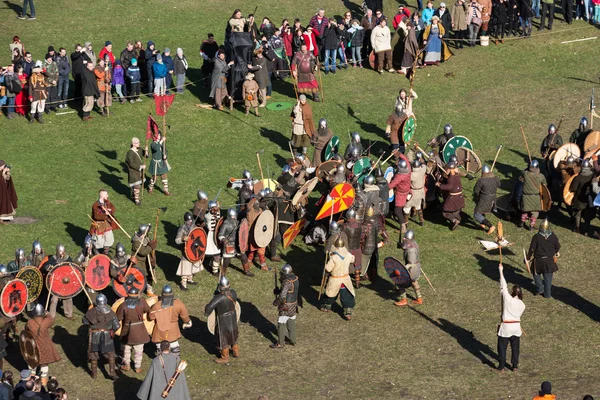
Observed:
{"x":150,"y":58}
{"x":169,"y":64}
{"x":544,"y":249}
{"x":79,"y":60}
{"x":126,"y":56}
{"x":64,"y":68}
{"x":89,"y":90}
{"x":445,"y":19}
{"x":329,"y":41}
{"x":485,"y":197}
{"x":581,"y":187}
{"x":224,"y":305}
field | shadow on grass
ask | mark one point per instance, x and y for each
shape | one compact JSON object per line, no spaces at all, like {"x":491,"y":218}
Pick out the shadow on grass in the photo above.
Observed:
{"x":168,"y":263}
{"x":14,"y":6}
{"x":74,"y":346}
{"x":465,"y":338}
{"x":115,"y":182}
{"x":275,"y":137}
{"x":199,"y":334}
{"x":126,"y":387}
{"x":252,"y":316}
{"x":77,"y":233}
{"x":489,"y":268}
{"x":110,"y":154}
{"x":308,"y":267}
{"x":364,"y":126}
{"x":170,"y":234}
{"x":571,"y":298}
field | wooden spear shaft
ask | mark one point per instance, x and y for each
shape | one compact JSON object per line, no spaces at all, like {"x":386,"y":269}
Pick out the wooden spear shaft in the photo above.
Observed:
{"x":81,"y":283}
{"x":526,"y":145}
{"x":116,"y":222}
{"x":495,"y":158}
{"x":49,"y":291}
{"x":326,"y":256}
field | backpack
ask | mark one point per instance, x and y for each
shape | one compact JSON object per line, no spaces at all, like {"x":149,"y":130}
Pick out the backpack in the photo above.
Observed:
{"x":13,"y":85}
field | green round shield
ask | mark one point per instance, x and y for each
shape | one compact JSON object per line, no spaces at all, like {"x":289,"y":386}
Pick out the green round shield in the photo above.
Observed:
{"x":278,"y":106}
{"x":408,"y":128}
{"x":361,"y":168}
{"x":331,"y":148}
{"x":453,"y":144}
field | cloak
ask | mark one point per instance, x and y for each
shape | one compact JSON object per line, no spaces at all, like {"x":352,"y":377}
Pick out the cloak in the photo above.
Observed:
{"x":161,"y":370}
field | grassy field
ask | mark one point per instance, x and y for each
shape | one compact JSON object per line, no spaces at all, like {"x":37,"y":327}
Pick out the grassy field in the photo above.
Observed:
{"x":444,"y":349}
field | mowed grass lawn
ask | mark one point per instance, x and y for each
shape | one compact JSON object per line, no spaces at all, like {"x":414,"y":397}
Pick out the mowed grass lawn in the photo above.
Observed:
{"x":444,"y":349}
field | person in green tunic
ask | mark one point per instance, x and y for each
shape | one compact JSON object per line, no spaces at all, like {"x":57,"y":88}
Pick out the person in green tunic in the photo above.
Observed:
{"x":159,"y":164}
{"x":135,"y":166}
{"x":530,"y":202}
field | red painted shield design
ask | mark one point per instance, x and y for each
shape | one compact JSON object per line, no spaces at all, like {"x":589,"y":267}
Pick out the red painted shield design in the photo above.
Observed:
{"x":65,"y":280}
{"x":97,"y":273}
{"x":14,"y":298}
{"x":134,"y":278}
{"x":243,"y":234}
{"x":195,"y":247}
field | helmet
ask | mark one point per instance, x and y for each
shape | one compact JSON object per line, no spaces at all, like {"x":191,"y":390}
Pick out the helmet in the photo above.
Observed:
{"x":286,"y":269}
{"x":416,"y":163}
{"x":552,"y":128}
{"x":447,"y":129}
{"x":534,"y":164}
{"x":341,"y":169}
{"x":333,"y":226}
{"x":583,"y":122}
{"x":167,"y":290}
{"x":409,"y":235}
{"x":3,"y":270}
{"x":212,"y":204}
{"x":223,"y":282}
{"x":354,"y":152}
{"x":339,"y":242}
{"x":351,"y":213}
{"x":452,"y":165}
{"x":188,"y":217}
{"x":453,"y":158}
{"x":80,"y":259}
{"x":322,"y":123}
{"x":36,"y":246}
{"x":430,"y":153}
{"x":88,"y":240}
{"x":378,"y":172}
{"x":370,"y":211}
{"x":232,"y":213}
{"x":101,"y":299}
{"x":545,"y":226}
{"x":403,"y":167}
{"x":60,"y":248}
{"x":486,"y":169}
{"x":355,"y":137}
{"x":202,"y":195}
{"x":586,"y":164}
{"x":248,"y":184}
{"x":133,"y":292}
{"x":120,"y":249}
{"x":246,"y":174}
{"x":268,"y":191}
{"x":336,"y":157}
{"x":369,"y":180}
{"x":286,"y":169}
{"x":570,"y":160}
{"x":262,"y":193}
{"x":144,"y":229}
{"x":38,"y":310}
{"x":20,"y":254}
{"x":419,"y":155}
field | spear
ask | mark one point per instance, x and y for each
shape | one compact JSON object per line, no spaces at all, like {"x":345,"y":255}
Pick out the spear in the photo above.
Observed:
{"x":326,"y":256}
{"x":495,"y":158}
{"x":526,"y":145}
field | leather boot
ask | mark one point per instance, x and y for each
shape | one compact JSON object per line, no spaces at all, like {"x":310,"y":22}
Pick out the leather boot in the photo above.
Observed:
{"x":94,"y":368}
{"x":406,"y":218}
{"x":105,"y":250}
{"x":235,"y":350}
{"x":357,"y":279}
{"x":224,"y":359}
{"x":39,"y":118}
{"x":247,"y":270}
{"x":421,"y":218}
{"x":112,"y":366}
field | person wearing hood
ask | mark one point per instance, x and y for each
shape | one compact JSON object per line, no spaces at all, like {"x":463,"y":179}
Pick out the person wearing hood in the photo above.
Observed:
{"x":89,"y":90}
{"x":545,"y":392}
{"x":180,"y":65}
{"x":119,"y":80}
{"x":79,"y":59}
{"x":150,"y":58}
{"x":218,"y":90}
{"x":357,"y":37}
{"x":90,"y":52}
{"x":37,"y":93}
{"x":250,"y":91}
{"x":51,"y":73}
{"x":159,"y":71}
{"x":168,"y":62}
{"x":134,"y":76}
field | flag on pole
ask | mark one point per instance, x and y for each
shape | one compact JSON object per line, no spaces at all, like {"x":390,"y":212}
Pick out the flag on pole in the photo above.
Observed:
{"x":163,"y":102}
{"x":152,"y":129}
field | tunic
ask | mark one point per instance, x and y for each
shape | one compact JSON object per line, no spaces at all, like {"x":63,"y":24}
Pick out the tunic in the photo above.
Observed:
{"x":219,"y":77}
{"x":102,"y":325}
{"x":543,"y":248}
{"x":8,"y":196}
{"x":417,"y":187}
{"x":211,"y":237}
{"x":142,"y":255}
{"x":39,"y":327}
{"x":531,"y":190}
{"x":411,"y":259}
{"x":103,"y":223}
{"x":512,"y":310}
{"x":485,"y":193}
{"x":223,"y":304}
{"x":250,"y":93}
{"x":134,"y":160}
{"x":320,"y":141}
{"x":302,"y":125}
{"x":133,"y":330}
{"x":401,"y":185}
{"x":411,"y":49}
{"x":304,"y":64}
{"x":582,"y":187}
{"x":551,"y":142}
{"x":162,"y":369}
{"x":287,"y":299}
{"x":339,"y":268}
{"x":185,"y":268}
{"x":158,"y":166}
{"x":455,"y":200}
{"x":167,"y":320}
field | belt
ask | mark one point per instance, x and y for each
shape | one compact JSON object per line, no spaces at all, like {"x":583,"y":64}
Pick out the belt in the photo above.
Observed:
{"x":455,"y":194}
{"x":341,"y":276}
{"x":136,"y":323}
{"x":418,"y":188}
{"x":511,"y":322}
{"x":100,"y":330}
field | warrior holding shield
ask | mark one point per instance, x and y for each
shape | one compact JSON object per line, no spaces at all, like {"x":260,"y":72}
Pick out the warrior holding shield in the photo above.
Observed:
{"x":224,"y":305}
{"x":186,"y":268}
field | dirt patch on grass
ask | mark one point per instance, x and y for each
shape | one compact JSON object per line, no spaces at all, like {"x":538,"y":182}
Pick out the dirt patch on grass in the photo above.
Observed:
{"x":24,"y":220}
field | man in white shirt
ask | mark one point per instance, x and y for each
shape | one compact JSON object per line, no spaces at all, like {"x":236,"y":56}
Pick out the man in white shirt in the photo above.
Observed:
{"x":510,"y":327}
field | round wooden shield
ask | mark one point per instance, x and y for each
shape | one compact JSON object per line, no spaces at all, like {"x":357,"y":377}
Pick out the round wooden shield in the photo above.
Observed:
{"x":44,"y":261}
{"x":408,"y":128}
{"x":545,"y":198}
{"x":264,"y":184}
{"x":389,"y":175}
{"x":134,"y":278}
{"x":339,"y":199}
{"x":65,"y":280}
{"x":592,"y":141}
{"x":304,"y":191}
{"x":397,"y":272}
{"x":361,"y":168}
{"x":217,"y":229}
{"x":13,"y":298}
{"x":327,"y":169}
{"x":211,"y":321}
{"x":468,"y":160}
{"x":97,"y":273}
{"x":243,"y":235}
{"x":550,"y":161}
{"x":148,"y":324}
{"x":195,"y":247}
{"x":293,"y":231}
{"x":590,"y":153}
{"x":331,"y":148}
{"x":453,"y":144}
{"x":263,"y":229}
{"x":29,"y":349}
{"x":567,"y":194}
{"x":34,"y":280}
{"x":564,"y":151}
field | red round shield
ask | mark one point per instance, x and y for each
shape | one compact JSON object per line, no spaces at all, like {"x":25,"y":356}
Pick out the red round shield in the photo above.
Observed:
{"x":243,"y":235}
{"x":217,"y":229}
{"x":195,"y":247}
{"x":13,"y":298}
{"x":97,"y":273}
{"x":65,"y":280}
{"x":134,"y":278}
{"x":44,"y":261}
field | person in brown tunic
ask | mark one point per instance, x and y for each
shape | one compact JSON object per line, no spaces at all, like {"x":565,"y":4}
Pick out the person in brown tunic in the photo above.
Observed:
{"x":454,"y":201}
{"x":103,"y":323}
{"x":103,"y":225}
{"x":304,"y":64}
{"x":39,"y":327}
{"x":303,"y":127}
{"x":324,"y":134}
{"x":133,"y":333}
{"x":166,"y":313}
{"x":250,"y":93}
{"x":37,"y":93}
{"x":393,"y":124}
{"x":8,"y":195}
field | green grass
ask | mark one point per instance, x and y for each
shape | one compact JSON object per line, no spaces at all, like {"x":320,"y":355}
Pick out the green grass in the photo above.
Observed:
{"x":384,"y":352}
